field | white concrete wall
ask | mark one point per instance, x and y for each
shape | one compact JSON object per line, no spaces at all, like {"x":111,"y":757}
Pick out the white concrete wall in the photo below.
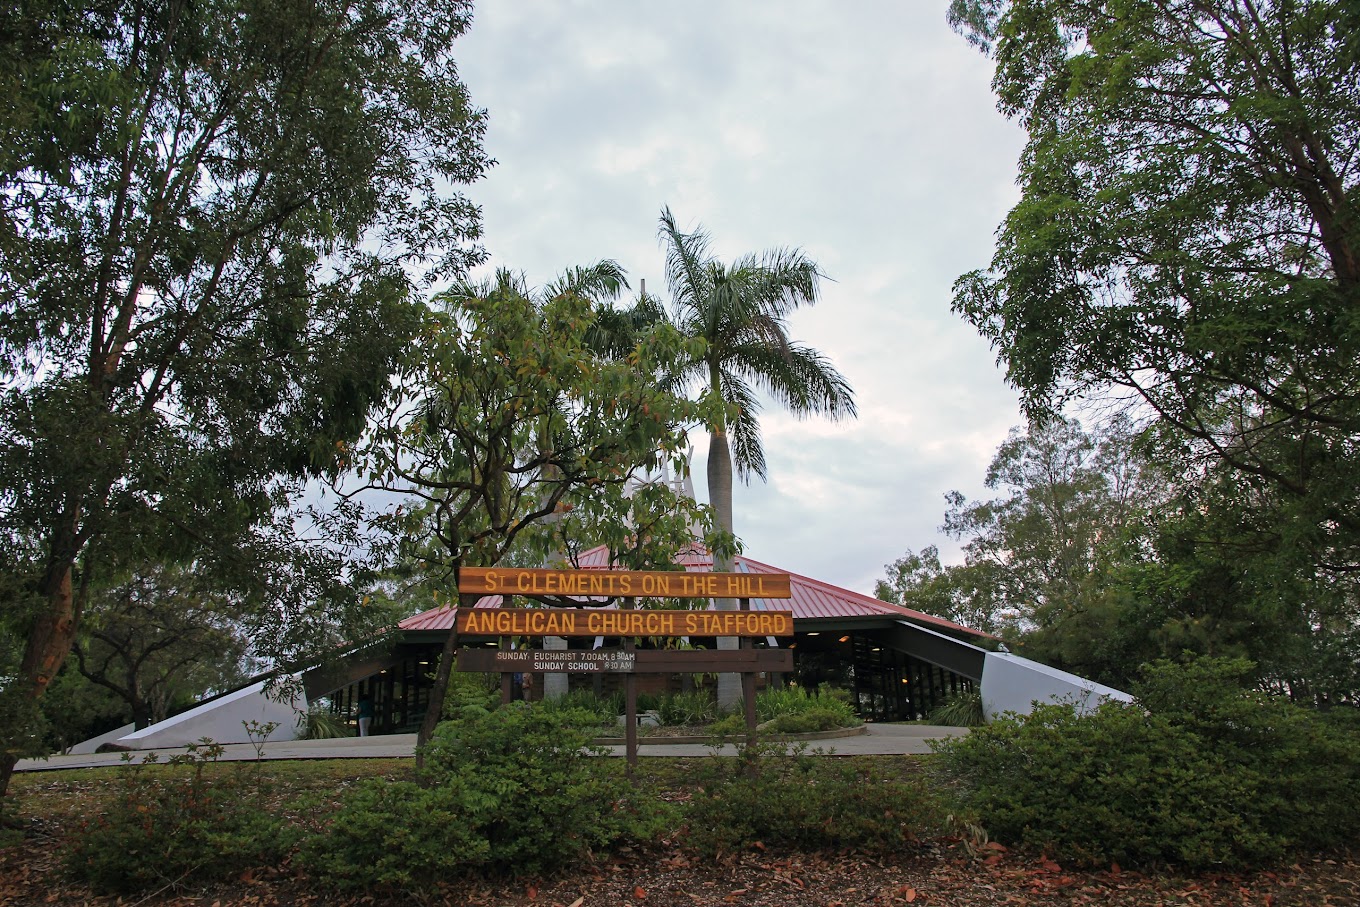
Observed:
{"x":222,"y":721}
{"x":1012,"y":684}
{"x":87,"y":747}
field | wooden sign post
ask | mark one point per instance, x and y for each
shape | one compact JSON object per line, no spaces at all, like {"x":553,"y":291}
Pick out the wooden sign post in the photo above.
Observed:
{"x":629,"y":624}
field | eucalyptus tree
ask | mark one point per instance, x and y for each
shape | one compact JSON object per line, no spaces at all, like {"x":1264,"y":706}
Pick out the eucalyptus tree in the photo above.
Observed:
{"x":1188,"y":235}
{"x":740,"y":312}
{"x":211,"y":217}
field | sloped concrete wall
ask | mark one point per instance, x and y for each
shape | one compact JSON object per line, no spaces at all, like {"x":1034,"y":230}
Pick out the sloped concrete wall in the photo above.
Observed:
{"x":1012,"y":684}
{"x":86,"y":747}
{"x":222,"y":721}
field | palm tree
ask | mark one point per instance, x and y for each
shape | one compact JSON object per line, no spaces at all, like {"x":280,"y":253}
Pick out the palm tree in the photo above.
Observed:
{"x":741,"y":311}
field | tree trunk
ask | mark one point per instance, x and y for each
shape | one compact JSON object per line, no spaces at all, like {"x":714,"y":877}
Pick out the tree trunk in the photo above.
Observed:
{"x":720,"y":498}
{"x":49,"y":643}
{"x":439,"y":692}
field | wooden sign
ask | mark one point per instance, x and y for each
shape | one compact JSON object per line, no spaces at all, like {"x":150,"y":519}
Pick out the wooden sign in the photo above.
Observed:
{"x":621,"y":583}
{"x":618,"y":622}
{"x":638,"y":661}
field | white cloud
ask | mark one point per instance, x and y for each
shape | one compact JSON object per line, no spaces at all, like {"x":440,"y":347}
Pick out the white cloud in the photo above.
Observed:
{"x":864,"y":133}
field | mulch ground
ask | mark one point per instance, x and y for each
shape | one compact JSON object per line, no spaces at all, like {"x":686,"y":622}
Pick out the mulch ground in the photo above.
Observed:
{"x":945,"y":874}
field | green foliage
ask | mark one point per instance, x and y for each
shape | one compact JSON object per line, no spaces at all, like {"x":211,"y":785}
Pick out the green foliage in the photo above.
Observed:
{"x":691,"y":707}
{"x":160,"y":637}
{"x":506,"y":416}
{"x":585,"y":708}
{"x":173,"y":831}
{"x":515,"y":791}
{"x":75,"y":709}
{"x":730,"y":725}
{"x":1206,"y":776}
{"x":829,"y":704}
{"x":1186,"y":242}
{"x":805,"y":803}
{"x":471,"y":694}
{"x":961,"y":710}
{"x":217,"y":216}
{"x":810,"y":721}
{"x":320,"y":723}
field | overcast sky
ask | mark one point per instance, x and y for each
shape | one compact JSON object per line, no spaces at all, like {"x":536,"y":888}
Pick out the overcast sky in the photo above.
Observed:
{"x":863,"y":132}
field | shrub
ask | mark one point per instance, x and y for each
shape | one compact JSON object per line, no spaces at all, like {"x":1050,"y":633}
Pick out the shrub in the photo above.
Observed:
{"x":771,"y":704}
{"x":961,"y":710}
{"x":1209,"y":776}
{"x":730,"y":725}
{"x":471,"y":694}
{"x":515,"y":790}
{"x":168,"y":830}
{"x":687,"y":708}
{"x":320,"y":723}
{"x":804,"y":803}
{"x":808,"y":721}
{"x":583,"y":709}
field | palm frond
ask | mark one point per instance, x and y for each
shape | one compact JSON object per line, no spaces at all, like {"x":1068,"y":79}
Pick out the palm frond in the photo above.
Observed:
{"x":748,"y":455}
{"x":604,"y":280}
{"x":687,"y":257}
{"x":800,"y":379}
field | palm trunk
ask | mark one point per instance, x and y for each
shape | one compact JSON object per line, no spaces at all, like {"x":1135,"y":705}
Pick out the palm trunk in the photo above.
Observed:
{"x":720,"y":498}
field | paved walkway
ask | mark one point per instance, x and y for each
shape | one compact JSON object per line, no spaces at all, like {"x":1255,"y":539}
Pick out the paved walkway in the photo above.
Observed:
{"x":878,"y":739}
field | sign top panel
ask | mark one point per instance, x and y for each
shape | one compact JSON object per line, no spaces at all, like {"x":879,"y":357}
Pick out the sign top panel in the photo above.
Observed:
{"x":621,"y":583}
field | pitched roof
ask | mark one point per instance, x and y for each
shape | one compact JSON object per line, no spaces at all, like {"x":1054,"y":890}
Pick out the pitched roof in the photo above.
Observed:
{"x":811,"y":600}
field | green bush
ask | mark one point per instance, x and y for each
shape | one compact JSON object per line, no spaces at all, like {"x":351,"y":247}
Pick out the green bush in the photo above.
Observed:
{"x":320,"y":723}
{"x":471,"y":694}
{"x":1207,"y":775}
{"x":730,"y":725}
{"x":687,"y":708}
{"x":809,"y":721}
{"x":173,"y":829}
{"x":515,"y":790}
{"x":583,"y":708}
{"x":773,"y":703}
{"x":805,"y":803}
{"x":961,"y":710}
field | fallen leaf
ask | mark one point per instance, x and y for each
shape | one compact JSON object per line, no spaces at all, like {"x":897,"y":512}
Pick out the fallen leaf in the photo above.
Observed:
{"x":639,"y":892}
{"x":578,"y":902}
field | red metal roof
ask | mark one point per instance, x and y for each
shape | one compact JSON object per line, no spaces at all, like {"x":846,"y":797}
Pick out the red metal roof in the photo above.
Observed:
{"x":811,"y":600}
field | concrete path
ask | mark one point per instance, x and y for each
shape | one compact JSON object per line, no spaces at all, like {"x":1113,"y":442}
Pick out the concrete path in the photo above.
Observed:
{"x":878,"y":739}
